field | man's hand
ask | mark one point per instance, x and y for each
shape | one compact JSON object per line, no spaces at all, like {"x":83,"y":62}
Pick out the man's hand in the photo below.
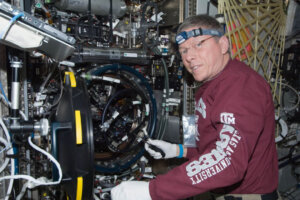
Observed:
{"x":170,"y":150}
{"x":131,"y":190}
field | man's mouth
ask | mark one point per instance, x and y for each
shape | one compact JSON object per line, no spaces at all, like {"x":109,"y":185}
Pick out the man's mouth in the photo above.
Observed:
{"x":194,"y":68}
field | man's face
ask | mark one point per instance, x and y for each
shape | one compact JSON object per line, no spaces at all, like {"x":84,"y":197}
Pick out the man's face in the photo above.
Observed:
{"x":204,"y":56}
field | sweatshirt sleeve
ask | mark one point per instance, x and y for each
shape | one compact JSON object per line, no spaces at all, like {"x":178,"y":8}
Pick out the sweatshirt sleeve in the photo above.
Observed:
{"x":237,"y":116}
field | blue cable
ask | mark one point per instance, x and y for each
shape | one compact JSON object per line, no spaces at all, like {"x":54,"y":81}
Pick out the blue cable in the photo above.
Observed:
{"x":2,"y":90}
{"x":16,"y":17}
{"x":12,"y":20}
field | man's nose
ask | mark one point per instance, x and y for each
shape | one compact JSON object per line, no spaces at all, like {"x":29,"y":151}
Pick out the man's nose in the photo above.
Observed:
{"x":190,"y":55}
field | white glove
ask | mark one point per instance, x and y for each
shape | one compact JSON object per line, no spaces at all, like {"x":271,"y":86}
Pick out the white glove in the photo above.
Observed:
{"x":131,"y":190}
{"x":169,"y":149}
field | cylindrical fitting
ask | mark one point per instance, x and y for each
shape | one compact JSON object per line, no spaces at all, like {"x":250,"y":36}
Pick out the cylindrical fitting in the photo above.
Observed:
{"x":98,"y":7}
{"x":102,"y":55}
{"x":15,"y":88}
{"x":42,"y":126}
{"x":15,"y":91}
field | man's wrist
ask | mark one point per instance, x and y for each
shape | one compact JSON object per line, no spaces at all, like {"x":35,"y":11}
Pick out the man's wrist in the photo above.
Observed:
{"x":185,"y":152}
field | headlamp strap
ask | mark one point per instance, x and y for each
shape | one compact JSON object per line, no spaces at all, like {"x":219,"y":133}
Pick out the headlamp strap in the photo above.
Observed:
{"x":181,"y":37}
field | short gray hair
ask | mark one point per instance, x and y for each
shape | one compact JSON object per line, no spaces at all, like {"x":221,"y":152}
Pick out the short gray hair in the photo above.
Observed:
{"x":200,"y":21}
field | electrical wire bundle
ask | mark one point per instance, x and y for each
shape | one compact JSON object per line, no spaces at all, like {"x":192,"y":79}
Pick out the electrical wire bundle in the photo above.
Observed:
{"x":163,"y":123}
{"x":128,"y":107}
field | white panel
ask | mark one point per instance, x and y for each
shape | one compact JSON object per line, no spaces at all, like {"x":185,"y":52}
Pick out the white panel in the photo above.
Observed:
{"x":202,"y":8}
{"x":291,"y":17}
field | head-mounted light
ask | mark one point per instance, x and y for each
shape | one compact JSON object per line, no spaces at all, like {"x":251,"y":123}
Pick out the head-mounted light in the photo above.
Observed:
{"x":183,"y":36}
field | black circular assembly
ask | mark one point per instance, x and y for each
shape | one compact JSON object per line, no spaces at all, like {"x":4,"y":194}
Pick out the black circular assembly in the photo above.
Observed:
{"x":72,"y":135}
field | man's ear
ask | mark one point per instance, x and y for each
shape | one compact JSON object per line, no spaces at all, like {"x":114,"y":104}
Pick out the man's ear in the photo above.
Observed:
{"x":224,"y":43}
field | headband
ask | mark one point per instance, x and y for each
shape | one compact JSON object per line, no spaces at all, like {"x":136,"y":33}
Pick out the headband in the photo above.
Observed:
{"x":183,"y":36}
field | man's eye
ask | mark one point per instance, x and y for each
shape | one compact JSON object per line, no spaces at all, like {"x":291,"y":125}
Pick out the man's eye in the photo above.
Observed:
{"x":183,"y":51}
{"x":199,"y":44}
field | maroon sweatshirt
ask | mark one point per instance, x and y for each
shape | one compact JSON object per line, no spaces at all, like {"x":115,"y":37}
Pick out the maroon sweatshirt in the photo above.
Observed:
{"x":235,"y":140}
